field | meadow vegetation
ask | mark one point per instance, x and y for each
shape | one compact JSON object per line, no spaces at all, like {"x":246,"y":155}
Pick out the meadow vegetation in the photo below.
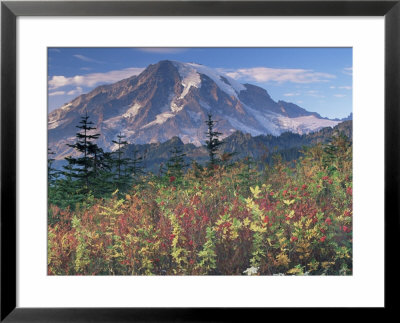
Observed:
{"x":224,"y":218}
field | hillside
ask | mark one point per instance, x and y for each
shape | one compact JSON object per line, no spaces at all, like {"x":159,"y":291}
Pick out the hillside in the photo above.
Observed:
{"x":171,"y":99}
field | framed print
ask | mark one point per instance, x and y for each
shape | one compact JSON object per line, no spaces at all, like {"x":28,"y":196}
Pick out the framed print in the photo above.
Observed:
{"x":192,"y":155}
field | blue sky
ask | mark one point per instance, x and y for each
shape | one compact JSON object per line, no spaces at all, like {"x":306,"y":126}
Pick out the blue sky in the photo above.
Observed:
{"x":317,"y":79}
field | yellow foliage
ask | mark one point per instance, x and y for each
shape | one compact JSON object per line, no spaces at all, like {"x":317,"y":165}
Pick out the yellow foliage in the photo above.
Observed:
{"x":249,"y":202}
{"x":313,"y":265}
{"x":327,"y":264}
{"x":308,"y":222}
{"x":255,"y":191}
{"x":295,"y":271}
{"x":282,"y":260}
{"x":256,"y":228}
{"x":288,"y":202}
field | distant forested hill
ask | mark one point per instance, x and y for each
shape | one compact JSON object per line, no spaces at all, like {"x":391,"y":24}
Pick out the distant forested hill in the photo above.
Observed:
{"x":263,"y":147}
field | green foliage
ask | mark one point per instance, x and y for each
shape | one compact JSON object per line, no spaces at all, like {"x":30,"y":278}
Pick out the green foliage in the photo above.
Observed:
{"x":208,"y":257}
{"x":84,"y":167}
{"x":176,"y":164}
{"x":291,"y":219}
{"x":52,"y":173}
{"x":136,"y":168}
{"x":123,"y":172}
{"x":93,"y":172}
{"x":213,"y":142}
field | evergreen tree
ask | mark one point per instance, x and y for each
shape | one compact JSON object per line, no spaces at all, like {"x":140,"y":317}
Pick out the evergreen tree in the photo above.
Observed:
{"x":176,"y":163}
{"x":247,"y":175}
{"x":52,"y":173}
{"x":136,"y":167}
{"x":67,"y":191}
{"x":120,"y":162}
{"x":102,"y":183}
{"x":89,"y":172}
{"x":84,"y":167}
{"x":123,"y":170}
{"x":213,"y":143}
{"x":337,"y":152}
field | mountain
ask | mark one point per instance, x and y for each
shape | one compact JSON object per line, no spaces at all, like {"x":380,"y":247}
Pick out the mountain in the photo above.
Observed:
{"x":350,"y":117}
{"x":243,"y":145}
{"x":171,"y":99}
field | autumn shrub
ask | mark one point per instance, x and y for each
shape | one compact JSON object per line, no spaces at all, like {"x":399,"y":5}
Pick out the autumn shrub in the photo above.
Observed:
{"x":295,"y":219}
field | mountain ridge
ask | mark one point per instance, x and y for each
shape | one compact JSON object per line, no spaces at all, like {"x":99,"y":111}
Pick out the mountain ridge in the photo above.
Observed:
{"x":170,"y":99}
{"x":240,"y":144}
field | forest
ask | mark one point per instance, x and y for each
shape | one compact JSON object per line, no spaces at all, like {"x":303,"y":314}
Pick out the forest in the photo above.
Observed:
{"x":107,"y":215}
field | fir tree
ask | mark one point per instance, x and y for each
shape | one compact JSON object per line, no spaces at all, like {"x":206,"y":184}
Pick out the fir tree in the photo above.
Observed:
{"x":67,"y":192}
{"x":102,"y":181}
{"x":120,"y":162}
{"x":52,"y":173}
{"x":213,"y":143}
{"x":84,"y":168}
{"x":123,"y":170}
{"x":136,"y":167}
{"x":176,"y":163}
{"x":247,"y":174}
{"x":336,"y":152}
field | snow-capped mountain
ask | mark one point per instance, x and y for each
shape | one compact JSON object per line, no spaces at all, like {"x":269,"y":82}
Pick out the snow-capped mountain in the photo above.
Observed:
{"x":173,"y":99}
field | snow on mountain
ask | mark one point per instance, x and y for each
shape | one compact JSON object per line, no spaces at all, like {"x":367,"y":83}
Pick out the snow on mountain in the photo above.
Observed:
{"x":237,"y":125}
{"x":190,"y":75}
{"x":305,"y":124}
{"x":170,"y":99}
{"x":132,"y":111}
{"x":267,"y":120}
{"x":160,"y":119}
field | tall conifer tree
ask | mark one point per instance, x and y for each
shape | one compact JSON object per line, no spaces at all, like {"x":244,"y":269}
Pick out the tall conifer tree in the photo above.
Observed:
{"x":136,"y":167}
{"x":84,"y":167}
{"x":52,"y":173}
{"x":213,"y":143}
{"x":176,"y":164}
{"x":123,"y":176}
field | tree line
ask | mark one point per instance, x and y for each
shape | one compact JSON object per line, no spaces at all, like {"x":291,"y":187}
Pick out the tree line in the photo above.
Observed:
{"x":95,"y":173}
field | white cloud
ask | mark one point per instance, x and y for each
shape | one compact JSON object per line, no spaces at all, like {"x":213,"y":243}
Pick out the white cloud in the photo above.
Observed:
{"x":339,"y":95}
{"x":78,"y":90}
{"x":291,"y":94}
{"x":86,"y":59}
{"x":348,"y":71}
{"x":341,"y":87}
{"x":90,"y":80}
{"x":280,"y":75}
{"x":315,"y":94}
{"x":58,"y":81}
{"x":56,"y":93}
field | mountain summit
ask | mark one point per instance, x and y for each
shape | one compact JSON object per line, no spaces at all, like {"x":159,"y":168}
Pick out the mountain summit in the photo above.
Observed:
{"x":170,"y":99}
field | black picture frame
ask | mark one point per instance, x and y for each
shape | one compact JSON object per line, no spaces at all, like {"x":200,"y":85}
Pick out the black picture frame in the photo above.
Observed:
{"x":10,"y":10}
